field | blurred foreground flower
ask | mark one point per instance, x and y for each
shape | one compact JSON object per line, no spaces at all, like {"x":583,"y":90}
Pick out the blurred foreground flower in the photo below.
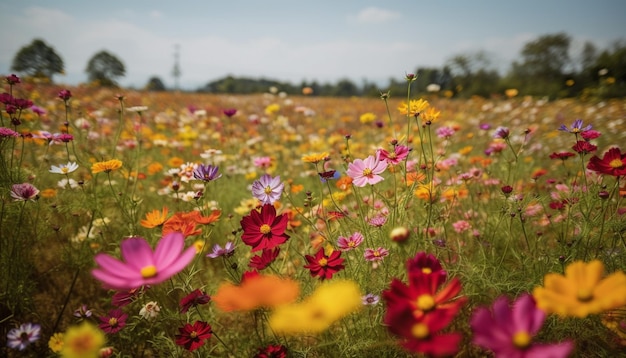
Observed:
{"x":582,"y":290}
{"x":82,"y":341}
{"x":319,"y":311}
{"x":509,"y":332}
{"x":142,"y":266}
{"x":256,"y":291}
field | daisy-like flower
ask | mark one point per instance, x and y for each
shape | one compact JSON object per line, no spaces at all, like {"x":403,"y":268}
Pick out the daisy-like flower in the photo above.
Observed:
{"x":24,"y":192}
{"x":195,"y":298}
{"x":577,"y":127}
{"x":509,"y":332}
{"x":370,"y":299}
{"x":217,"y":251}
{"x":367,"y":171}
{"x":583,"y":147}
{"x":414,"y":107}
{"x":106,"y":166}
{"x":65,"y":183}
{"x":155,"y":218}
{"x":377,"y":254}
{"x":55,"y":343}
{"x":21,"y":337}
{"x":613,"y":163}
{"x":113,"y":322}
{"x":206,"y":172}
{"x":84,"y":340}
{"x":141,"y":265}
{"x":315,"y":157}
{"x":150,"y":310}
{"x":192,"y":337}
{"x":264,"y":229}
{"x":581,"y":291}
{"x":64,"y":168}
{"x":324,"y":266}
{"x":400,"y":152}
{"x":256,"y":291}
{"x":350,"y":243}
{"x":82,"y":312}
{"x":267,"y":189}
{"x":266,"y":258}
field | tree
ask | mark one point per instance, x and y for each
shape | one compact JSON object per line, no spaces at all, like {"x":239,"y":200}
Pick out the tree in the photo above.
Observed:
{"x":38,"y":60}
{"x":104,"y":68}
{"x":155,"y":84}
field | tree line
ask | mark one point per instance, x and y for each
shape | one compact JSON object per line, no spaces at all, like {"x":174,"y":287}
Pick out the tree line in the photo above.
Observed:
{"x":546,"y":66}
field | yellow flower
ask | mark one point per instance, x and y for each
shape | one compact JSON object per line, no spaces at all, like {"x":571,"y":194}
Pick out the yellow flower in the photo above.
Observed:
{"x":56,"y":342}
{"x":367,"y":117}
{"x":82,"y":341}
{"x":107,"y":166}
{"x":414,"y":108}
{"x":581,"y":291}
{"x":511,"y":92}
{"x":319,"y":311}
{"x":272,"y":108}
{"x":431,"y":114}
{"x":315,"y":157}
{"x":426,"y":192}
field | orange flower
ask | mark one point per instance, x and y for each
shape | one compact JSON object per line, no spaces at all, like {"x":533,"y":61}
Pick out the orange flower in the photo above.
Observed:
{"x":186,"y":222}
{"x":106,"y":166}
{"x":175,"y":162}
{"x":154,"y":168}
{"x":155,"y":218}
{"x":48,"y":193}
{"x":414,"y":177}
{"x":344,"y":183}
{"x":256,"y":291}
{"x":296,"y":188}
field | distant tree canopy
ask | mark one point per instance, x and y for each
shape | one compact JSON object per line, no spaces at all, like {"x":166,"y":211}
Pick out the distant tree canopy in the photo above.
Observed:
{"x":104,"y":68}
{"x":155,"y":84}
{"x":38,"y":60}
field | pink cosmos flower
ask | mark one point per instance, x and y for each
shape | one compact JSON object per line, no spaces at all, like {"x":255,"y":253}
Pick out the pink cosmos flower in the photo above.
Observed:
{"x":461,"y":226}
{"x":377,"y":254}
{"x":350,"y":243}
{"x":142,"y":266}
{"x":24,"y":192}
{"x":400,"y":152}
{"x":367,"y":171}
{"x":508,"y":332}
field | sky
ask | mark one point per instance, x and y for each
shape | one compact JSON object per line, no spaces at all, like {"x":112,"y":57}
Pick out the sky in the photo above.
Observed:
{"x":295,"y":41}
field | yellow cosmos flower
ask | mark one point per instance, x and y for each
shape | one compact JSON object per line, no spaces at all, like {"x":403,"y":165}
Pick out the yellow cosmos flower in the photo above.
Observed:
{"x":155,"y":218}
{"x":431,"y":114}
{"x":415,"y":107}
{"x":315,"y":157}
{"x":319,"y":311}
{"x":272,"y":108}
{"x":82,"y":341}
{"x":581,"y":291}
{"x":106,"y":166}
{"x":367,"y":117}
{"x":56,"y":342}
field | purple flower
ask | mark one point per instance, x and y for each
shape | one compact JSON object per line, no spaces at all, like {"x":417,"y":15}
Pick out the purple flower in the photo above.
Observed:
{"x":65,"y":94}
{"x":24,"y":192}
{"x":509,"y":332}
{"x":143,"y":266}
{"x":485,"y":126}
{"x":502,"y":133}
{"x":21,"y":337}
{"x":206,"y":172}
{"x":350,"y":243}
{"x":229,"y":112}
{"x":82,"y":312}
{"x":218,"y":251}
{"x":445,"y":132}
{"x":576,"y":127}
{"x":370,"y":299}
{"x":267,"y":189}
{"x":377,"y":254}
{"x":38,"y":110}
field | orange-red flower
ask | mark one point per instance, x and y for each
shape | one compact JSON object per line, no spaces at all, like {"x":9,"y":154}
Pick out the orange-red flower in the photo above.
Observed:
{"x":256,"y":291}
{"x":155,"y":218}
{"x":187,"y":222}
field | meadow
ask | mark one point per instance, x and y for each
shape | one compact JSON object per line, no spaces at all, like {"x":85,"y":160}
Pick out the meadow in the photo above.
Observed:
{"x":160,"y":224}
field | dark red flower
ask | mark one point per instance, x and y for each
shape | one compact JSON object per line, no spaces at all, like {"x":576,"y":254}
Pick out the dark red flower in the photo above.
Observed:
{"x":613,"y":163}
{"x":264,"y":230}
{"x":272,"y":351}
{"x":65,"y":94}
{"x":123,"y":298}
{"x":229,"y":112}
{"x":425,"y":263}
{"x":262,"y":261}
{"x":425,"y":337}
{"x":114,"y":321}
{"x":194,"y":336}
{"x":561,"y":155}
{"x":324,"y":266}
{"x":584,"y":147}
{"x":12,"y":79}
{"x":195,"y":298}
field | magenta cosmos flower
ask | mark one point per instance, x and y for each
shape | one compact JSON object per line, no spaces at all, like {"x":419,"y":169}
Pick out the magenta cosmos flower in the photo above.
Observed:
{"x":367,"y":171}
{"x":142,"y":266}
{"x":509,"y":332}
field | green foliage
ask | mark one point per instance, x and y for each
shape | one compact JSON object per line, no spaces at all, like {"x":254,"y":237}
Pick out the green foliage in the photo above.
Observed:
{"x":155,"y":84}
{"x":38,"y":60}
{"x":104,"y":68}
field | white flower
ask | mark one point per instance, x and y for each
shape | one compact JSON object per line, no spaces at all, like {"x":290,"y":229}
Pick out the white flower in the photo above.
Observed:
{"x":63,"y":183}
{"x":137,"y":109}
{"x":150,"y":310}
{"x":64,"y":168}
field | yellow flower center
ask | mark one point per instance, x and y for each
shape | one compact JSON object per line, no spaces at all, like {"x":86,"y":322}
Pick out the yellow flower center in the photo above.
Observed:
{"x":616,"y":163}
{"x":522,"y":339}
{"x":112,"y":321}
{"x":585,"y":295}
{"x":425,"y":302}
{"x":367,"y":172}
{"x":148,"y":271}
{"x":322,"y":261}
{"x":268,"y":190}
{"x":265,"y":229}
{"x":427,"y":270}
{"x":193,"y":334}
{"x":420,"y":330}
{"x":65,"y":170}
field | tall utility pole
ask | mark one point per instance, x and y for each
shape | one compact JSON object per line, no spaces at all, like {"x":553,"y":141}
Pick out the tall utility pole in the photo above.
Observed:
{"x":176,"y":70}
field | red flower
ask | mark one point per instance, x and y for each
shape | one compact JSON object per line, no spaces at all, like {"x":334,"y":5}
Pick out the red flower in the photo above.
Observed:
{"x":265,"y":259}
{"x":114,"y":321}
{"x":424,"y":263}
{"x":424,"y":336}
{"x":583,"y":147}
{"x":272,"y":351}
{"x":264,"y":230}
{"x":324,"y":266}
{"x":561,"y":155}
{"x":195,"y":298}
{"x":612,"y":163}
{"x":192,"y":337}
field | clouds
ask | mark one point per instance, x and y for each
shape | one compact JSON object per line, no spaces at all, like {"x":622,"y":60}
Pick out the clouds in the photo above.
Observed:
{"x":375,"y":15}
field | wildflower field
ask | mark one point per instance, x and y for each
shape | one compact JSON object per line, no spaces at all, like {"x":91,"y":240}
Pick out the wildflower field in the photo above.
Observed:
{"x":144,"y":224}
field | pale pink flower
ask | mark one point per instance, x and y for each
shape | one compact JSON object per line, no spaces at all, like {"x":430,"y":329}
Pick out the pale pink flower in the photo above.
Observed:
{"x":367,"y":171}
{"x":461,"y":226}
{"x":350,"y":243}
{"x":377,"y":254}
{"x":142,"y":266}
